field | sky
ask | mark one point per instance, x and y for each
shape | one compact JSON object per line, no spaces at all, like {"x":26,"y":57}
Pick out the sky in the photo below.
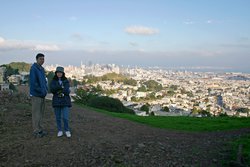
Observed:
{"x":165,"y":33}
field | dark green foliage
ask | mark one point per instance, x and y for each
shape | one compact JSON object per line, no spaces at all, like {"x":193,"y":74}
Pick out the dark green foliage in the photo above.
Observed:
{"x":16,"y":67}
{"x":205,"y":113}
{"x":133,"y":98}
{"x":223,"y":114}
{"x":108,"y":103}
{"x":50,"y":76}
{"x":173,"y":87}
{"x":243,"y":110}
{"x":144,"y":108}
{"x":91,"y":98}
{"x":142,"y":89}
{"x":109,"y":77}
{"x":9,"y":71}
{"x":12,"y":87}
{"x":92,"y":79}
{"x":21,"y":66}
{"x":170,"y":93}
{"x":130,"y":82}
{"x":153,"y":85}
{"x":152,"y":114}
{"x":240,"y":152}
{"x":166,"y":109}
{"x":83,"y":96}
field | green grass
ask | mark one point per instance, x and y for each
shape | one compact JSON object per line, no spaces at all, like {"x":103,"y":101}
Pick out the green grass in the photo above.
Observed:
{"x":245,"y":154}
{"x":181,"y":123}
{"x":192,"y":124}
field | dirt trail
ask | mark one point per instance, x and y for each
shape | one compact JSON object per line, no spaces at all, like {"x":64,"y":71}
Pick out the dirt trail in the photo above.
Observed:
{"x":101,"y":140}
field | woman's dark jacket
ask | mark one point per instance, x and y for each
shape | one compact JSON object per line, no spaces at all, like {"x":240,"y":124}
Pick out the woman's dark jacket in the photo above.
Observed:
{"x":61,"y":92}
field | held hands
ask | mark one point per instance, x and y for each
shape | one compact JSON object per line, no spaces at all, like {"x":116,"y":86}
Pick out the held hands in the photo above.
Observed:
{"x":60,"y":91}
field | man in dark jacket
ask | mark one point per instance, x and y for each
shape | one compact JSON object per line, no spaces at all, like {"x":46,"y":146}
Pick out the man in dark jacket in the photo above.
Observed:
{"x":38,"y":91}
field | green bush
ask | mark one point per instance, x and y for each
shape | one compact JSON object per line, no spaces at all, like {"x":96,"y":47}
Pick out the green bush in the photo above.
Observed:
{"x":144,"y":108}
{"x":83,"y":96}
{"x":109,"y":104}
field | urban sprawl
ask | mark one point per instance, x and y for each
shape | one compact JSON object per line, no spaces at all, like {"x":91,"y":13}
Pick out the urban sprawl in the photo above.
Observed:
{"x":182,"y":92}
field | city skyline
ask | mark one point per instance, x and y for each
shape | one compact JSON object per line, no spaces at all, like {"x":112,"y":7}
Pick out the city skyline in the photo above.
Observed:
{"x":144,"y":33}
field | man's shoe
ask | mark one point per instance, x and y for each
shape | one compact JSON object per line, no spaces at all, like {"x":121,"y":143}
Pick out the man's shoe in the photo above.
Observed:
{"x":59,"y":134}
{"x":68,"y":134}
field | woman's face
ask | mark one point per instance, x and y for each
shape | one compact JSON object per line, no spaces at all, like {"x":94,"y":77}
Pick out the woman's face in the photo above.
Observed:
{"x":59,"y":74}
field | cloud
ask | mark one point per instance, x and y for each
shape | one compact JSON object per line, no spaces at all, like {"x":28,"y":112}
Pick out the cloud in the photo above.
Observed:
{"x":133,"y":43}
{"x":1,"y":40}
{"x":46,"y":48}
{"x":141,"y":30}
{"x":188,"y":22}
{"x":210,"y":21}
{"x":76,"y":37}
{"x":11,"y":45}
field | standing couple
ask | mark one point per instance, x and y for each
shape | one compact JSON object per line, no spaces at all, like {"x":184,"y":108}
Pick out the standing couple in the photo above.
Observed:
{"x":61,"y":101}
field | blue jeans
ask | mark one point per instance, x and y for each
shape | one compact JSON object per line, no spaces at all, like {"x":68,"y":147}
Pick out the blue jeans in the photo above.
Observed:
{"x":64,"y":112}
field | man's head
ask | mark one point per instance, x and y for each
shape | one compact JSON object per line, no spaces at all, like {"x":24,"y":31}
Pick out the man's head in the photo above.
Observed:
{"x":40,"y":58}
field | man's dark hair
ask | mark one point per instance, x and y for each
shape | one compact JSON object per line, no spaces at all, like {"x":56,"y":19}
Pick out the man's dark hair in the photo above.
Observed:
{"x":39,"y":55}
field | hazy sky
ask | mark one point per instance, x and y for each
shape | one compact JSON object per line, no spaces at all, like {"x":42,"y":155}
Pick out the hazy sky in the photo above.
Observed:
{"x":165,"y":33}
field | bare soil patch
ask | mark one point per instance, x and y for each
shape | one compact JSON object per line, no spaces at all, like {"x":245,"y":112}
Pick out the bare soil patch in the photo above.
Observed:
{"x":101,"y":140}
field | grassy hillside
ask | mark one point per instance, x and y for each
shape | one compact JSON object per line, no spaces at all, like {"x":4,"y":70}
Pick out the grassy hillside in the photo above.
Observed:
{"x":16,"y":67}
{"x":192,"y":124}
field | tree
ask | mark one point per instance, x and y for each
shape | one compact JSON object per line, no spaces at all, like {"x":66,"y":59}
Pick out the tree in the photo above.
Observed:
{"x":165,"y":108}
{"x":50,"y":76}
{"x":109,"y":104}
{"x":142,"y":89}
{"x":243,"y":110}
{"x":173,"y":87}
{"x":75,"y":83}
{"x":153,"y":85}
{"x":12,"y":87}
{"x":133,"y":98}
{"x":144,"y":108}
{"x":83,"y":96}
{"x":152,"y":114}
{"x":130,"y":81}
{"x":170,"y":93}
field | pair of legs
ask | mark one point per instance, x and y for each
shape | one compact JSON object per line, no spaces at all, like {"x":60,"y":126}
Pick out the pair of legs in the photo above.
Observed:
{"x":38,"y":106}
{"x":62,"y":113}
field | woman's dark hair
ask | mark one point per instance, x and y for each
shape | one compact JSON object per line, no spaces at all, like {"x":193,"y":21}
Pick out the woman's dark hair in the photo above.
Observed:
{"x":56,"y":78}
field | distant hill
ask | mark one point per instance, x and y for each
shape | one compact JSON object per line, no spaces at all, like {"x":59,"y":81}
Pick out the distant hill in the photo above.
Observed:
{"x":238,"y":77}
{"x":20,"y":66}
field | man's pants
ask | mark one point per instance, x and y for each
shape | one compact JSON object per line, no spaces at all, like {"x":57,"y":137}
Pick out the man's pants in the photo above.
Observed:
{"x":38,"y":106}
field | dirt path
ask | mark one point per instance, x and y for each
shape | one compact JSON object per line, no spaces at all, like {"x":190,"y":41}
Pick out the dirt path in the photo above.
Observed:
{"x":101,"y":140}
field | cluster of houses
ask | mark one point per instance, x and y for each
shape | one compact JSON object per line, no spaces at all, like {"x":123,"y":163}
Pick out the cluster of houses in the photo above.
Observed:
{"x":16,"y":79}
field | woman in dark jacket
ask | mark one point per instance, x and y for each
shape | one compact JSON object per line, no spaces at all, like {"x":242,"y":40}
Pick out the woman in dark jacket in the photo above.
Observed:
{"x":61,"y":101}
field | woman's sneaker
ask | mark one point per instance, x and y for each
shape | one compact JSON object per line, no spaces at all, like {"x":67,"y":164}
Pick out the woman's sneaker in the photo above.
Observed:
{"x":68,"y":134}
{"x":59,"y":134}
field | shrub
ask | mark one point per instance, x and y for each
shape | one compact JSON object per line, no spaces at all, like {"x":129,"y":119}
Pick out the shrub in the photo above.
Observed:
{"x":144,"y":108}
{"x":83,"y":96}
{"x":109,"y":104}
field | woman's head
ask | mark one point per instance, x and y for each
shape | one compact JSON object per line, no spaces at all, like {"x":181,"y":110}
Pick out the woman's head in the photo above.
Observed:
{"x":60,"y":72}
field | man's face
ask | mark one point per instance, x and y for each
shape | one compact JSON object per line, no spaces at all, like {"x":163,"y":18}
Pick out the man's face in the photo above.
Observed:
{"x":40,"y":60}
